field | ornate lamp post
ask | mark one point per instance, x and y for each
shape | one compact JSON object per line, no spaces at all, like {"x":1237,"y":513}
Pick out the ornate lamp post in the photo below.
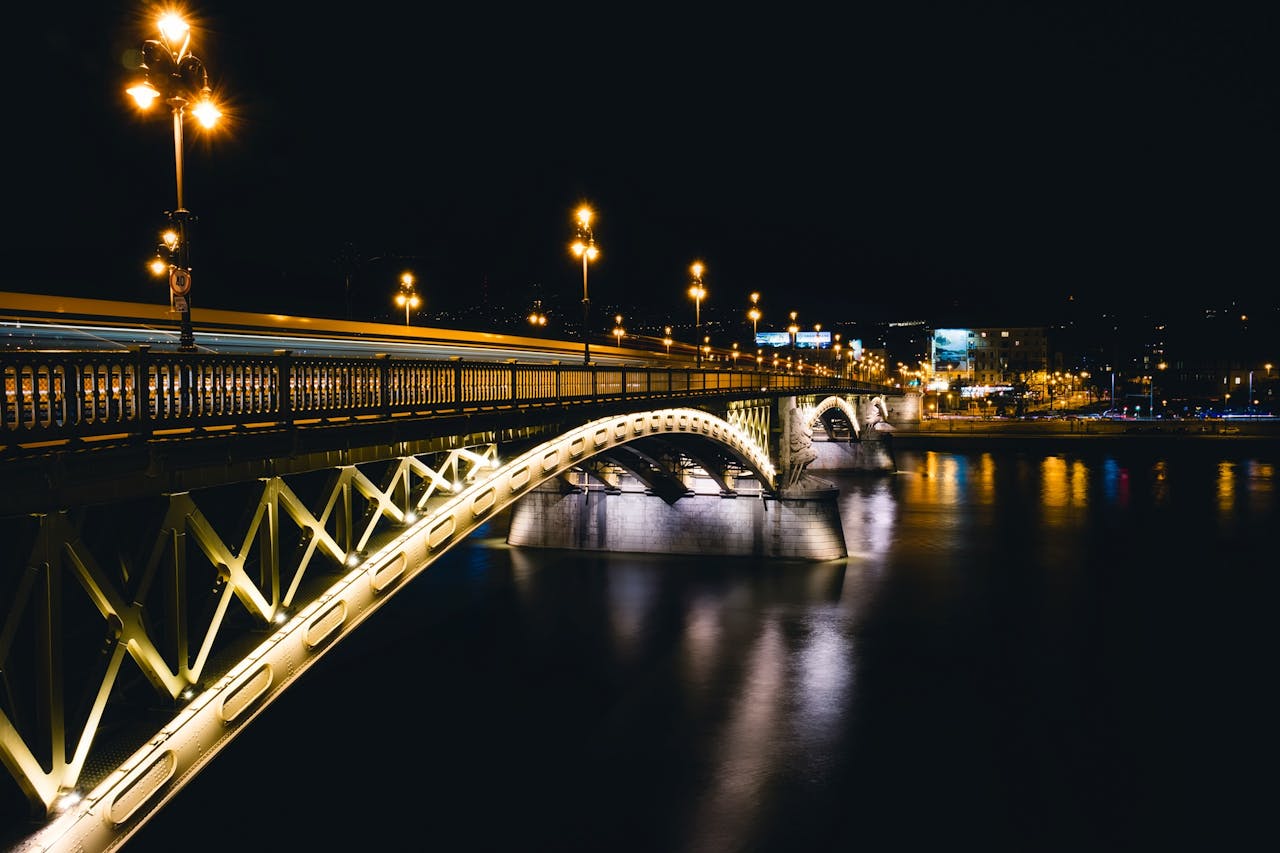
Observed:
{"x":666,"y":339}
{"x":754,"y":316}
{"x":697,"y":291}
{"x":585,"y":247}
{"x":172,"y":73}
{"x":618,"y":331}
{"x":536,"y":315}
{"x":407,"y":297}
{"x":793,"y":330}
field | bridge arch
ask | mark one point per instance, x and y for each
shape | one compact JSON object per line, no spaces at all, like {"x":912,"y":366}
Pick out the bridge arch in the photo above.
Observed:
{"x":843,"y":406}
{"x":305,"y":632}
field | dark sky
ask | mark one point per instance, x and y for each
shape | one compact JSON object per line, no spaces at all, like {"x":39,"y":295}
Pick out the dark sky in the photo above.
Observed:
{"x":903,"y":157}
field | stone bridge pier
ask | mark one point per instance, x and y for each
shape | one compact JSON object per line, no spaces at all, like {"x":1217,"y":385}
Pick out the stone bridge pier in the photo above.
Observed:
{"x":691,"y":498}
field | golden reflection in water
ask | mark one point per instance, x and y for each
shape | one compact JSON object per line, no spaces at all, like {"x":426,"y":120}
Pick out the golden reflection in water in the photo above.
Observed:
{"x":1226,"y":486}
{"x":1160,"y":482}
{"x":984,"y":480}
{"x":1064,"y":488}
{"x":1079,"y":484}
{"x":941,"y":481}
{"x":1053,"y":483}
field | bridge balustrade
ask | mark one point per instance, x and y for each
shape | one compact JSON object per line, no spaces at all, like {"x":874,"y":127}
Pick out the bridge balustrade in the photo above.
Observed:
{"x":70,"y":395}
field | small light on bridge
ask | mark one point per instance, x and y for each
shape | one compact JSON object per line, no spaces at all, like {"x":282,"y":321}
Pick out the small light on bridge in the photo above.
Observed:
{"x":67,"y":800}
{"x":281,"y":616}
{"x":353,"y":559}
{"x":410,"y":517}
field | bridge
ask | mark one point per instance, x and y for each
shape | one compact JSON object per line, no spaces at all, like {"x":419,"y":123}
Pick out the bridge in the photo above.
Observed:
{"x":187,"y":533}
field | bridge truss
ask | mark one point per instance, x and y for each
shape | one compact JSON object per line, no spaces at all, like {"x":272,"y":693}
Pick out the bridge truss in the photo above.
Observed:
{"x":142,"y":636}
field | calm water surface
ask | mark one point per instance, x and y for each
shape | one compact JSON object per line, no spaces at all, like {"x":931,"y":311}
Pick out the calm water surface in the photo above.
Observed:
{"x":1023,"y":651}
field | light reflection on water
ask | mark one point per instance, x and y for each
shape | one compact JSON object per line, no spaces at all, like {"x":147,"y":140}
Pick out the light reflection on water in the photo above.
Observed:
{"x":1022,"y":648}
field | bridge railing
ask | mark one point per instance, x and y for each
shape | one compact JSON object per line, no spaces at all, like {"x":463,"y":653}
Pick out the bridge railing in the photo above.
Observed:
{"x":56,"y":396}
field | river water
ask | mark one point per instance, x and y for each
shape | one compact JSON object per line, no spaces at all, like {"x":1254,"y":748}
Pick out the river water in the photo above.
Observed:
{"x":1030,"y":650}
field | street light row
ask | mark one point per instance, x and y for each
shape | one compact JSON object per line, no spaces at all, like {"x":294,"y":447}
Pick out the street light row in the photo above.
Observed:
{"x":173,"y":73}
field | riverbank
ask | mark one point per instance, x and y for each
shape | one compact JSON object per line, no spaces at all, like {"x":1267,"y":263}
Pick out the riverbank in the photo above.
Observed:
{"x":936,"y":430}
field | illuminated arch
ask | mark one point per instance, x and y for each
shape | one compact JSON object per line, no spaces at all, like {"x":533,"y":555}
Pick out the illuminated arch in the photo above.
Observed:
{"x":845,"y":407}
{"x":213,"y":717}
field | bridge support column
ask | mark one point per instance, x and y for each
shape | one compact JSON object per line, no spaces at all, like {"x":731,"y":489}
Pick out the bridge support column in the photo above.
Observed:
{"x":804,"y":526}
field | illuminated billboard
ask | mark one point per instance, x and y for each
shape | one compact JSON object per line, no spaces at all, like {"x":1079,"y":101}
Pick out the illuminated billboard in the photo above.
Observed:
{"x":810,"y":340}
{"x":951,"y":350}
{"x":773,"y":339}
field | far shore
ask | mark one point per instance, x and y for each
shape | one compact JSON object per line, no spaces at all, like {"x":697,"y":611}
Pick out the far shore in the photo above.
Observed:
{"x":1218,"y":429}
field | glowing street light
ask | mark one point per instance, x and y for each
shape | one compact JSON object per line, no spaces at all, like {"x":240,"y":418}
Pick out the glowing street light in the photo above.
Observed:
{"x":179,"y":80}
{"x":697,"y":291}
{"x":407,"y":297}
{"x":754,"y":316}
{"x":793,"y":330}
{"x":585,"y":247}
{"x":536,"y":316}
{"x":666,"y":339}
{"x":618,"y":331}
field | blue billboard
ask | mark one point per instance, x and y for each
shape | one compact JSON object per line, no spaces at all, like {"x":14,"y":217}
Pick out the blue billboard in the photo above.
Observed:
{"x":810,"y":340}
{"x":951,"y":350}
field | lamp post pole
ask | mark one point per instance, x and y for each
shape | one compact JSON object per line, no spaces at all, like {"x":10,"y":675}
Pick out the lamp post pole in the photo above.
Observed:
{"x":179,"y":80}
{"x":697,"y":291}
{"x":585,"y":247}
{"x":408,"y":297}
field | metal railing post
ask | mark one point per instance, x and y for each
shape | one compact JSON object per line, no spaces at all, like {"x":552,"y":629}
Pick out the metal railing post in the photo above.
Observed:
{"x":384,"y":383}
{"x":284,"y":370}
{"x":142,"y":389}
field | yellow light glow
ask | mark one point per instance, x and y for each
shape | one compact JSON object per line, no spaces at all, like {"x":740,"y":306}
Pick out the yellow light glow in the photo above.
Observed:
{"x":143,"y":94}
{"x":206,"y":112}
{"x":174,"y":30}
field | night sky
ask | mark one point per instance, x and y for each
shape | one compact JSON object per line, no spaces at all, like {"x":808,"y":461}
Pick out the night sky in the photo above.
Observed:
{"x":900,"y":158}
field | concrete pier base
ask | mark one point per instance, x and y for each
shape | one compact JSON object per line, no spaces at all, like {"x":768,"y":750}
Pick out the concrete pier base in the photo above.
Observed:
{"x":868,"y":455}
{"x":804,"y":524}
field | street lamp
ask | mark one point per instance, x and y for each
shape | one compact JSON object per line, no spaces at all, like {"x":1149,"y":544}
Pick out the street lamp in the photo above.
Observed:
{"x":754,"y":316}
{"x":697,"y":291}
{"x":585,"y":247}
{"x":407,"y":297}
{"x":179,"y":79}
{"x":618,"y":331}
{"x":1151,"y":391}
{"x":536,"y":316}
{"x":666,"y":340}
{"x":793,"y":330}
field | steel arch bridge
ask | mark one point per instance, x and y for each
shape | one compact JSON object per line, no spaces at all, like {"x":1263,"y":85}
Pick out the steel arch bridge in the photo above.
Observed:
{"x":344,"y":568}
